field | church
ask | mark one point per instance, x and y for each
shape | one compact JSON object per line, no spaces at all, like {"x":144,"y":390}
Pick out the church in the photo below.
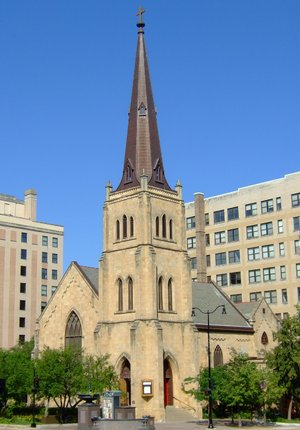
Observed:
{"x":137,"y":305}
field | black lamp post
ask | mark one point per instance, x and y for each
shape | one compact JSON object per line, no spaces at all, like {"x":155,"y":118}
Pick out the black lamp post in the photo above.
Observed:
{"x":34,"y":391}
{"x":208,"y":313}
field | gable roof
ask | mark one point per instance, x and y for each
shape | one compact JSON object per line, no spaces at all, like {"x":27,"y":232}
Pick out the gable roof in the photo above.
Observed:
{"x":91,"y":274}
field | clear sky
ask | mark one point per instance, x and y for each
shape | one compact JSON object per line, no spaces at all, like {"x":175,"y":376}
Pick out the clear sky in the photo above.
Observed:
{"x":226,"y":82}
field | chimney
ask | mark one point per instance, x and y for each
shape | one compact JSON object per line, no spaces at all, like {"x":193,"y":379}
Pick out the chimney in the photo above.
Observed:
{"x":200,"y":237}
{"x":30,"y":204}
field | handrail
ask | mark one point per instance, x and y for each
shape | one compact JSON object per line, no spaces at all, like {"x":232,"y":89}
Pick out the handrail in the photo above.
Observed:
{"x":189,"y":406}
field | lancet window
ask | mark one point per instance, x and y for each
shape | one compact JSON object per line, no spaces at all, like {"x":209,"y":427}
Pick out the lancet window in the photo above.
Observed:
{"x":218,"y":356}
{"x":73,"y":334}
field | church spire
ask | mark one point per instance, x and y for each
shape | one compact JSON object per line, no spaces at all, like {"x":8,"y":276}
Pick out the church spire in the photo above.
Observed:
{"x":143,"y":154}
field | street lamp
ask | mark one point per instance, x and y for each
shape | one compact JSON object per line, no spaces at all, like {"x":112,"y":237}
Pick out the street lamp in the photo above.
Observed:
{"x":208,"y":313}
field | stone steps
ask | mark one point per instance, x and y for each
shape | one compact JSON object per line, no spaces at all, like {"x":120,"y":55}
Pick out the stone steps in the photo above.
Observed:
{"x":178,"y":414}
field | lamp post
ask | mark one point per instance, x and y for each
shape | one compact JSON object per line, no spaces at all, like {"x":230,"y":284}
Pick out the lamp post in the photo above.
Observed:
{"x":208,"y":313}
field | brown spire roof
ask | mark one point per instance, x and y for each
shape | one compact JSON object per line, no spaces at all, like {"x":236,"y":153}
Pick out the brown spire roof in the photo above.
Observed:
{"x":143,"y":153}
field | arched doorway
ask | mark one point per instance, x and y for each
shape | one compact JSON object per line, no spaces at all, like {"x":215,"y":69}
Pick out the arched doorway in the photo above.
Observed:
{"x":168,"y":384}
{"x":125,"y":384}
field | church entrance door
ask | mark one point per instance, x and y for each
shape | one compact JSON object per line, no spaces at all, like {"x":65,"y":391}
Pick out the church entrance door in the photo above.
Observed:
{"x":125,"y":383}
{"x":168,"y":384}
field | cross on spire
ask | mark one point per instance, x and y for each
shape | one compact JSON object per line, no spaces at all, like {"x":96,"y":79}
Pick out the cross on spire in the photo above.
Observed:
{"x":140,"y":13}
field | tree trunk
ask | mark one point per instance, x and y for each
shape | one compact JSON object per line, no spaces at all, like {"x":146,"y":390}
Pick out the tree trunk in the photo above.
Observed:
{"x":240,"y":420}
{"x":290,"y":408}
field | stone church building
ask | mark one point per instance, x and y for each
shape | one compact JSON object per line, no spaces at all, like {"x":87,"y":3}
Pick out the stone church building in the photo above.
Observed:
{"x":136,"y":306}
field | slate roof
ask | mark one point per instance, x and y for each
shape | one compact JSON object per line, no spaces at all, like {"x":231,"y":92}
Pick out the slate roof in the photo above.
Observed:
{"x":207,"y":296}
{"x":92,"y":276}
{"x":248,"y":309}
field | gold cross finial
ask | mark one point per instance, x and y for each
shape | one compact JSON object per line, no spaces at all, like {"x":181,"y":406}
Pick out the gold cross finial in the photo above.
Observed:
{"x":140,"y":13}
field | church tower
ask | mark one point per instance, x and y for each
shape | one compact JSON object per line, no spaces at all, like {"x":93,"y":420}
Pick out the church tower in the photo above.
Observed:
{"x":144,"y":280}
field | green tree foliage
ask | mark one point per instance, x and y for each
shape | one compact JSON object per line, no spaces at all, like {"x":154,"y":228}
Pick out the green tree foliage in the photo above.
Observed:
{"x":284,"y":360}
{"x":99,"y":375}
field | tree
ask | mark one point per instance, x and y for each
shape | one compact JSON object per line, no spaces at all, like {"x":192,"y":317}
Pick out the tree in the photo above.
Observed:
{"x":285,"y":358}
{"x":99,"y":375}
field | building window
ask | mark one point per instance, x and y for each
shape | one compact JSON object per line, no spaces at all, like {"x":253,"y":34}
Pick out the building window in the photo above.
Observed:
{"x":267,"y":206}
{"x":219,"y":216}
{"x":234,"y":256}
{"x":23,"y":287}
{"x":157,"y":226}
{"x":44,"y":273}
{"x":222,"y":280}
{"x":190,"y":222}
{"x":193,"y":263}
{"x":218,"y":356}
{"x":164,"y":226}
{"x":22,"y":305}
{"x":131,"y":222}
{"x":252,"y":231}
{"x":284,"y":296}
{"x":55,"y":242}
{"x":296,"y":221}
{"x":235,"y":278}
{"x":282,"y":273}
{"x":44,"y":257}
{"x":73,"y":333}
{"x":285,"y":315}
{"x":297,"y":246}
{"x":206,"y":219}
{"x":253,"y":253}
{"x":160,"y":294}
{"x":298,"y":294}
{"x":207,"y":240}
{"x":24,"y":237}
{"x":53,"y":289}
{"x":21,"y":322}
{"x":208,"y":261}
{"x":250,"y":209}
{"x":281,"y":249}
{"x":254,"y":276}
{"x":120,"y":295}
{"x":268,"y":251}
{"x":232,"y":213}
{"x":220,"y":237}
{"x":233,"y":235}
{"x":266,"y":229}
{"x":171,"y":229}
{"x":21,"y":339}
{"x":295,"y":200}
{"x":280,"y":227}
{"x":170,"y":295}
{"x":269,"y":274}
{"x":23,"y":254}
{"x":236,"y":298}
{"x":278,"y":204}
{"x":191,"y":242}
{"x":54,"y":258}
{"x":44,"y":290}
{"x":45,"y":240}
{"x":117,"y":230}
{"x":220,"y":258}
{"x":298,"y":270}
{"x":124,"y":226}
{"x":23,"y":270}
{"x":254,"y":297}
{"x":130,"y":294}
{"x":271,"y":296}
{"x":128,"y":175}
{"x":264,"y":338}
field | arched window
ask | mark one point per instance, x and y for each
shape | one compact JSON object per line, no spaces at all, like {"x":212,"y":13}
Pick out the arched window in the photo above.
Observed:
{"x":158,"y":173}
{"x":130,"y":294}
{"x":118,"y":229}
{"x":73,"y":334}
{"x":164,"y":226}
{"x":160,"y":294}
{"x":157,"y":226}
{"x":120,"y":295}
{"x":124,"y":226}
{"x":131,"y":227}
{"x":218,"y":356}
{"x":264,"y":338}
{"x":171,"y":229}
{"x":128,"y":174}
{"x":170,"y":295}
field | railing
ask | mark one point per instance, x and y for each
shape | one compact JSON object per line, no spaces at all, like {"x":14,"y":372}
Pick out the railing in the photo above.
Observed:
{"x":187,"y":406}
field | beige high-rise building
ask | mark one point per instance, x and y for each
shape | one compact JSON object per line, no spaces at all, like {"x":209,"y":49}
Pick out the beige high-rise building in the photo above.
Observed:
{"x":31,"y":265}
{"x":247,"y":241}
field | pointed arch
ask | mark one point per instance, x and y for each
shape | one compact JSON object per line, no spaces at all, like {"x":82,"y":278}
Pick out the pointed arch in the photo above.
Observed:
{"x":168,"y":383}
{"x":130,"y":293}
{"x":160,"y":294}
{"x":264,"y":338}
{"x":157,"y":226}
{"x":120,"y":295}
{"x":124,"y":226}
{"x":218,"y":356}
{"x":125,"y":381}
{"x":131,"y":226}
{"x":73,"y":332}
{"x":164,"y":226}
{"x":118,"y":230}
{"x":128,"y":174}
{"x":170,"y":294}
{"x":171,"y":229}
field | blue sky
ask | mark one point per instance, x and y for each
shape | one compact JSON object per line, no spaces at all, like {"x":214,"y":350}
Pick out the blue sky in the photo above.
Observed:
{"x":226,"y":82}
